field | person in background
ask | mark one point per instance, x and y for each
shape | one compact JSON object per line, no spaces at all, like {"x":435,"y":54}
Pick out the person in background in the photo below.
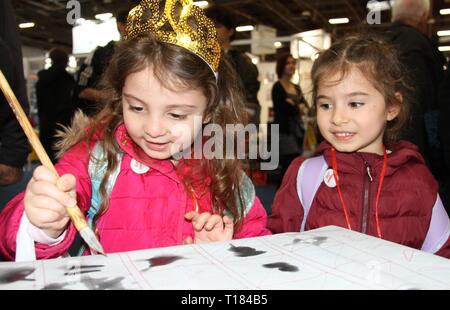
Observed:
{"x":288,"y":104}
{"x":444,"y":133}
{"x":362,"y":177}
{"x":87,"y":95}
{"x":247,"y":72}
{"x":14,"y":147}
{"x":424,"y":63}
{"x":54,"y":90}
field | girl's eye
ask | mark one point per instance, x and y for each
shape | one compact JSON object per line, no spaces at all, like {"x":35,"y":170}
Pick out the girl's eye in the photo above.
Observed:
{"x":136,"y":108}
{"x":325,"y":106}
{"x":356,"y":104}
{"x":177,"y":116}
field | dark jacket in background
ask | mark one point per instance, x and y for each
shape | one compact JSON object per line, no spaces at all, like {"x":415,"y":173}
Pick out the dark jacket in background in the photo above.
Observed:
{"x":89,"y":76}
{"x":54,"y":91}
{"x":425,"y":64}
{"x":444,"y":131}
{"x":14,"y":147}
{"x":285,"y":112}
{"x":248,"y":74}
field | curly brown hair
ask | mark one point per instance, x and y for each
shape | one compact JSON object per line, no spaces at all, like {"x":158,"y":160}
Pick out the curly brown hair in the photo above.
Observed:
{"x":379,"y":61}
{"x":176,"y":69}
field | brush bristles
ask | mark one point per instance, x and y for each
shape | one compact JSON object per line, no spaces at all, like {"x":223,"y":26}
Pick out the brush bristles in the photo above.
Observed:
{"x":89,"y":237}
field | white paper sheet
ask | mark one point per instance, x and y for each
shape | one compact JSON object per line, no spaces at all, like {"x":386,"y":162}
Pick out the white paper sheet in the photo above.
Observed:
{"x":326,"y":258}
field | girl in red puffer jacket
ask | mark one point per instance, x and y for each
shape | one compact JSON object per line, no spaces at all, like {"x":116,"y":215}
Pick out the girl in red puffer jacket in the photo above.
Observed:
{"x":363,"y":179}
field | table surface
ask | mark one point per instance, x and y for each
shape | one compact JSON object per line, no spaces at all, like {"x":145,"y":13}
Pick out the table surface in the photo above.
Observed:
{"x":327,"y":258}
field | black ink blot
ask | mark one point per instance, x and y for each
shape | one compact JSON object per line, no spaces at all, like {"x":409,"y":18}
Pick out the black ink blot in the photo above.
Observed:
{"x":53,"y":286}
{"x":15,"y":275}
{"x":91,"y":284}
{"x":245,"y":251}
{"x":282,"y":267}
{"x":162,"y":260}
{"x":103,"y":284}
{"x":315,"y":240}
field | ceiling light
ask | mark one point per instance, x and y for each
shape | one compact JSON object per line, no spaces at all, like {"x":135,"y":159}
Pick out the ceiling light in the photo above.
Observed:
{"x":202,"y":4}
{"x":335,"y":21}
{"x":444,"y":48}
{"x":445,"y":11}
{"x":245,"y":28}
{"x":443,"y":33}
{"x":374,"y":6}
{"x":278,"y":44}
{"x":104,"y":16}
{"x":26,"y":25}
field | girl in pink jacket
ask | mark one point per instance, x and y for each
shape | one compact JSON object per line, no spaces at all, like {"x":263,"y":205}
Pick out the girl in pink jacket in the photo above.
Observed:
{"x":129,"y":168}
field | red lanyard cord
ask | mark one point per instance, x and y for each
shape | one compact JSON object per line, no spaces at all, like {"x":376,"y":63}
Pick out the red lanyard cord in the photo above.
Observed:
{"x":380,"y":185}
{"x":336,"y":177}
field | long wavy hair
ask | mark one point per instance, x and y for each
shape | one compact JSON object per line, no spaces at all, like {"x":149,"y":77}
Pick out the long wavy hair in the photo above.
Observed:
{"x":379,"y":61}
{"x":176,"y":69}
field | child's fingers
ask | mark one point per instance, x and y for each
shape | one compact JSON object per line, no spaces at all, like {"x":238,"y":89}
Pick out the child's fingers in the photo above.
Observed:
{"x":228,"y":227}
{"x":43,"y":204}
{"x":191,"y":216}
{"x":188,"y":240}
{"x":42,"y":173}
{"x":67,"y":183}
{"x":44,"y":188}
{"x":45,"y":218}
{"x":200,"y":222}
{"x":213,"y":221}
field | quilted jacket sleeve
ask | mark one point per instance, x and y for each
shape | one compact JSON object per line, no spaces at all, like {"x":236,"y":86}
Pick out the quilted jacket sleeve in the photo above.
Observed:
{"x":75,"y":162}
{"x":254,"y":224}
{"x":287,"y":211}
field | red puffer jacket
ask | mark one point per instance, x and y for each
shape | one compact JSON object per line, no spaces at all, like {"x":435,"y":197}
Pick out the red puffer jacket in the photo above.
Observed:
{"x":408,"y":195}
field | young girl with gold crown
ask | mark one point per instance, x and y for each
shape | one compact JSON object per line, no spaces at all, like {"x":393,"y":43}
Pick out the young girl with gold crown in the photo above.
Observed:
{"x":164,"y":82}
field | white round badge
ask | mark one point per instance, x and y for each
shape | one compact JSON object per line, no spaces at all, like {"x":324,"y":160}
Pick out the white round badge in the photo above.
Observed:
{"x":138,"y":167}
{"x":329,"y":179}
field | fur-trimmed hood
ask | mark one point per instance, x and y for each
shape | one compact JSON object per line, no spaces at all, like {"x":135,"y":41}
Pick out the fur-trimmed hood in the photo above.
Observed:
{"x":69,"y":136}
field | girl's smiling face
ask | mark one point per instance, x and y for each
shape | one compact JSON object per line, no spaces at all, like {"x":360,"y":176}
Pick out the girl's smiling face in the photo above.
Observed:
{"x":161,"y":121}
{"x":352,"y":113}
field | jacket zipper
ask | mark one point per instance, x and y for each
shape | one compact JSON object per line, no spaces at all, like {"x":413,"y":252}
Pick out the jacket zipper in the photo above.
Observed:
{"x":366,"y":203}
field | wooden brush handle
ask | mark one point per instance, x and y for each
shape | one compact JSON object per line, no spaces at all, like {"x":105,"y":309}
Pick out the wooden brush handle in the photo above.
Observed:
{"x":25,"y":124}
{"x":74,"y":212}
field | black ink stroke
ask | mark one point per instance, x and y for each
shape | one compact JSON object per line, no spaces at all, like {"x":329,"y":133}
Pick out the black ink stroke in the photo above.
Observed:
{"x":161,"y":260}
{"x":244,"y":251}
{"x":314,"y":241}
{"x":285,"y":267}
{"x":17,"y":274}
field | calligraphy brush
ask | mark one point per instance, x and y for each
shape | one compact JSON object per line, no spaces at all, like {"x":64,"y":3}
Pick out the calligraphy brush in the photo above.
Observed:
{"x":75,"y":213}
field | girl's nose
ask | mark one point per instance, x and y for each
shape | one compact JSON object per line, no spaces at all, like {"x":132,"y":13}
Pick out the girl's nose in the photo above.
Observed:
{"x":339,"y":117}
{"x":155,"y":128}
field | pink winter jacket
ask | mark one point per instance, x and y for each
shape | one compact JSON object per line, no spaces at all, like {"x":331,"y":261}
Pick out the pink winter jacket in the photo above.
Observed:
{"x":146,"y":210}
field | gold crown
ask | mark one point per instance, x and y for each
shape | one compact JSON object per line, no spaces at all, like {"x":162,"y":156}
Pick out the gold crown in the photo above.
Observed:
{"x":179,"y":22}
